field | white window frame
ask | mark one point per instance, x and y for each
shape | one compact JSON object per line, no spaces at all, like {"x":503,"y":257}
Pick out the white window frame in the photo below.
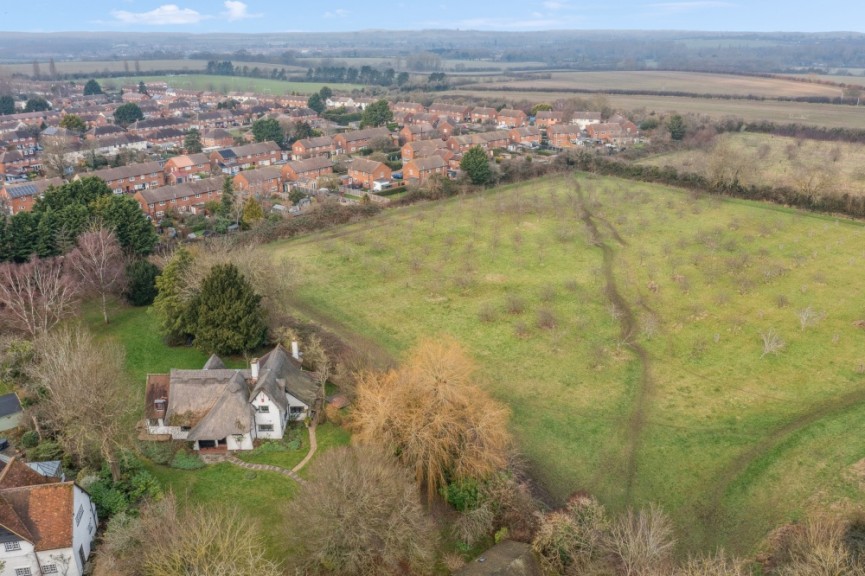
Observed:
{"x":12,"y":546}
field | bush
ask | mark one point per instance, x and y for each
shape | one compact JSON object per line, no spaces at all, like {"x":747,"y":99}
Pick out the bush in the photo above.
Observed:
{"x":158,"y":452}
{"x":109,"y":499}
{"x":47,"y":450}
{"x":462,"y":495}
{"x":30,"y":439}
{"x":141,"y":287}
{"x":184,"y":460}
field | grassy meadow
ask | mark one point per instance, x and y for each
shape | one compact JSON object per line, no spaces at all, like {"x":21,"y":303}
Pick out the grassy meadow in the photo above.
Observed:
{"x":225,"y":84}
{"x":624,"y":328}
{"x":763,"y":159}
{"x":671,"y":81}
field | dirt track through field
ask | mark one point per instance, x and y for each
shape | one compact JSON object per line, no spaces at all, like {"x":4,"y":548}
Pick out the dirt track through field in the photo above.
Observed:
{"x":627,"y":332}
{"x":712,"y":511}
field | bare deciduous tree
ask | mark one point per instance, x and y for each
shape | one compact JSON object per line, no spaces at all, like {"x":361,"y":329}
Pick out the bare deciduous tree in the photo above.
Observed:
{"x":165,"y":540}
{"x":718,"y":564}
{"x":642,"y":541}
{"x":98,"y":261}
{"x":85,"y":393}
{"x":430,"y":413}
{"x":359,"y":514}
{"x":568,"y":541}
{"x":819,"y":547}
{"x":36,"y":295}
{"x":55,"y":156}
{"x":772,"y":342}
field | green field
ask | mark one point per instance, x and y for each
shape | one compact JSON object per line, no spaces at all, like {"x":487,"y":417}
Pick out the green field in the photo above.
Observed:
{"x":105,"y":66}
{"x":225,"y":84}
{"x":667,"y":81}
{"x":627,"y":339}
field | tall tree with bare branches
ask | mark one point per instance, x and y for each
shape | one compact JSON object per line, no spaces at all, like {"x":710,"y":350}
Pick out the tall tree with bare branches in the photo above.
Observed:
{"x":430,"y":414}
{"x":85,"y":393}
{"x":359,"y":514}
{"x":98,"y":261}
{"x":36,"y":295}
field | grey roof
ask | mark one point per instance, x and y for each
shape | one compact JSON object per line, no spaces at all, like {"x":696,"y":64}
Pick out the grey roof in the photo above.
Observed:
{"x":317,"y":142}
{"x":310,"y":164}
{"x":430,"y":163}
{"x":49,"y":468}
{"x":122,"y":172}
{"x":249,"y":149}
{"x":9,"y":404}
{"x":262,"y":174}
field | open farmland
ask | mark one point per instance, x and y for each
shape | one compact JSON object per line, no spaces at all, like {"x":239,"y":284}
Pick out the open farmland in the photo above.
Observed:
{"x":96,"y":67}
{"x":760,"y":159}
{"x":624,"y":325}
{"x":225,"y":84}
{"x":750,"y":110}
{"x":689,"y":82}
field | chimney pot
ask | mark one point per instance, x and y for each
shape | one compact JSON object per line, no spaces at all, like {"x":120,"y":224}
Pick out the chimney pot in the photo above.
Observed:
{"x":253,"y":367}
{"x":295,"y":351}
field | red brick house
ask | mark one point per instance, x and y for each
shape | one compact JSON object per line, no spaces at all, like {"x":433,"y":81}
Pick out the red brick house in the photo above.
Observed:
{"x":310,"y":169}
{"x":357,"y":140}
{"x":547,"y":118}
{"x":527,"y":136}
{"x":310,"y":147}
{"x":129,"y":179}
{"x":410,"y":107}
{"x":421,"y":149}
{"x":20,"y":197}
{"x":481,"y":114}
{"x":233,"y":160}
{"x":260,"y":182}
{"x":186,"y":167}
{"x":166,"y":138}
{"x":421,"y":170}
{"x":457,"y":112}
{"x":186,"y":197}
{"x":608,"y":132}
{"x":414,"y":132}
{"x":512,"y":118}
{"x":217,"y":138}
{"x":563,"y":135}
{"x":364,"y":172}
{"x":13,"y":162}
{"x":445,"y":128}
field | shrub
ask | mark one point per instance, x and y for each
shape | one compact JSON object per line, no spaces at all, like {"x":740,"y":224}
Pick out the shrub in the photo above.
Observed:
{"x":109,"y":499}
{"x":462,"y":495}
{"x":514,"y":304}
{"x":46,"y":450}
{"x":184,"y":460}
{"x":30,"y":439}
{"x":158,"y":452}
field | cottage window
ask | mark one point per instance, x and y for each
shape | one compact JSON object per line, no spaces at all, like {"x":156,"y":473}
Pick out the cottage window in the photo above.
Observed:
{"x":23,"y":572}
{"x":50,"y":569}
{"x":262,"y":409}
{"x":296,"y":409}
{"x":79,"y":514}
{"x":159,"y":405}
{"x":12,"y":546}
{"x":265,"y":427}
{"x":185,"y":428}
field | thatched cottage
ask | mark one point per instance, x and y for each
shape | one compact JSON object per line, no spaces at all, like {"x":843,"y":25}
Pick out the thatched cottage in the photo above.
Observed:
{"x":221,"y":408}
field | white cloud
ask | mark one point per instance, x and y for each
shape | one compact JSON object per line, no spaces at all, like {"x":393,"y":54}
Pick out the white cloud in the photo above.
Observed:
{"x":237,"y":11}
{"x":338,"y":13}
{"x":165,"y":14}
{"x":554,"y":5}
{"x":690,"y":6}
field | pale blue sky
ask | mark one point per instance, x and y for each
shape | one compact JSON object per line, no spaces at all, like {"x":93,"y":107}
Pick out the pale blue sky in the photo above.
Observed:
{"x":198,"y":16}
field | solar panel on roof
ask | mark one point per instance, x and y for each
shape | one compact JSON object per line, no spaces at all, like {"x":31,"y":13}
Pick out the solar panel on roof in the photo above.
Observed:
{"x":22,"y":191}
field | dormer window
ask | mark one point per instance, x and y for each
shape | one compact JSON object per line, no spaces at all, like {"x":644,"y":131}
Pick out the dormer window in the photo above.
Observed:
{"x":159,"y":405}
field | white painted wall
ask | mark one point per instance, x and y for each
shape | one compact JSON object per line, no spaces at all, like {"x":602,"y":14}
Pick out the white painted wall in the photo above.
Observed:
{"x":83,"y":531}
{"x":274,"y":417}
{"x":243,"y":442}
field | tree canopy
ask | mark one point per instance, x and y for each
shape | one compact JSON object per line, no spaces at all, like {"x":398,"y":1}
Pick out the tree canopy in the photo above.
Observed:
{"x":227,"y":313}
{"x":37,"y":104}
{"x":92,"y":87}
{"x":7,"y":105}
{"x":376,"y":114}
{"x":192,"y":141}
{"x":676,"y":126}
{"x":73,"y":123}
{"x":268,"y":130}
{"x":126,"y":114}
{"x":476,"y":165}
{"x":317,"y":103}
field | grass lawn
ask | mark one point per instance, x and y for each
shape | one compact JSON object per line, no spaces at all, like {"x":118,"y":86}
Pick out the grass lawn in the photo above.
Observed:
{"x":665,"y":396}
{"x":225,"y":84}
{"x":281,"y":453}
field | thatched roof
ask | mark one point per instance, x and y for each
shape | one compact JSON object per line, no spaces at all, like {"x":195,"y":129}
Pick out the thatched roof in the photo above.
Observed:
{"x":195,"y":393}
{"x":231,"y":414}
